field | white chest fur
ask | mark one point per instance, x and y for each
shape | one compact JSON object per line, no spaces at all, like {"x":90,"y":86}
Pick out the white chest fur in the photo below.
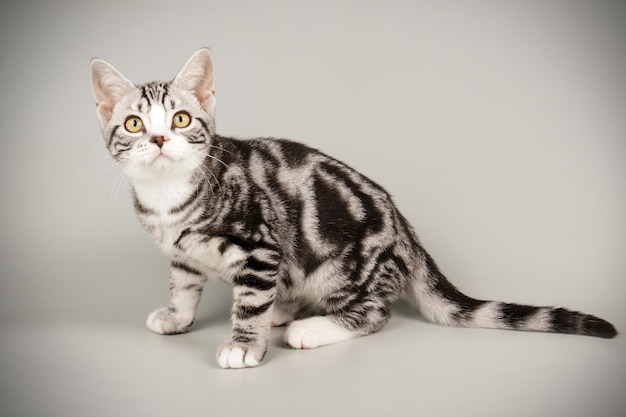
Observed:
{"x":159,"y":199}
{"x":166,"y":224}
{"x":162,"y":194}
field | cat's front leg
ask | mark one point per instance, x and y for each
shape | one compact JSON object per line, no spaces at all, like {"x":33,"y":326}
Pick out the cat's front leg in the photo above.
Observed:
{"x":186,"y":285}
{"x":254,"y":293}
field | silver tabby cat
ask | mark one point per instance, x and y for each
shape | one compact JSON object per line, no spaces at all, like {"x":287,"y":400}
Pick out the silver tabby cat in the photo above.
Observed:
{"x":304,"y":239}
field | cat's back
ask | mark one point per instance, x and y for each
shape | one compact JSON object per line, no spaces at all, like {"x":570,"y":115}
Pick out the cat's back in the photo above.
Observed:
{"x":288,"y":160}
{"x":327,"y":201}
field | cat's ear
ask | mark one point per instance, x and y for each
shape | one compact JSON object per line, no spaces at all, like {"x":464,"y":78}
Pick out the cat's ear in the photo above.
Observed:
{"x":108,"y":85}
{"x":198,"y":77}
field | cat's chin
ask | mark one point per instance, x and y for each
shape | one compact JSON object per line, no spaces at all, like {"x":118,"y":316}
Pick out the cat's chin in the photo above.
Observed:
{"x":162,"y":162}
{"x":162,"y":167}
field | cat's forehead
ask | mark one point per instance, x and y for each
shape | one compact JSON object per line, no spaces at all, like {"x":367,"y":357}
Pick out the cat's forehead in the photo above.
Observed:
{"x":162,"y":94}
{"x":154,"y":93}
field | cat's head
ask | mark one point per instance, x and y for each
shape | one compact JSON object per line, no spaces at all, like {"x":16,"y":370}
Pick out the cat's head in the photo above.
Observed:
{"x":158,"y":127}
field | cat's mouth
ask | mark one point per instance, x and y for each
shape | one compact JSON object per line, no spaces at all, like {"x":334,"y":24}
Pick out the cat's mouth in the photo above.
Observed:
{"x":162,"y":155}
{"x":161,"y":160}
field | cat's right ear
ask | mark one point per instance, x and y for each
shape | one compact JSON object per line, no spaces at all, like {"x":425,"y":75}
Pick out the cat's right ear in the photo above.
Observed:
{"x":108,"y":86}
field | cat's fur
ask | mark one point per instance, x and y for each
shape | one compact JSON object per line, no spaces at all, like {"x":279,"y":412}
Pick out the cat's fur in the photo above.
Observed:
{"x":304,"y":239}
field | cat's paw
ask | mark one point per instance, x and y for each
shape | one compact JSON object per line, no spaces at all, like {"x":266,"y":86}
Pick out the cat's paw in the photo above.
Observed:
{"x":315,"y":332}
{"x":165,"y":321}
{"x":240,"y":355}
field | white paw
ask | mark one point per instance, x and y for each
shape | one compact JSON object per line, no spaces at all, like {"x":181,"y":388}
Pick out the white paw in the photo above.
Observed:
{"x":164,"y":321}
{"x":239,"y":355}
{"x":314,"y":332}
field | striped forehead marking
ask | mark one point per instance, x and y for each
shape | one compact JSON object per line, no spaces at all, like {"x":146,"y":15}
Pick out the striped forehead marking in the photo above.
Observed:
{"x":155,"y":92}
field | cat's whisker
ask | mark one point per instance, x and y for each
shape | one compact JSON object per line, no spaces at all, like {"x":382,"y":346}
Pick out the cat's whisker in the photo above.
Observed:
{"x":221,"y":149}
{"x":217,"y":182}
{"x":118,"y":180}
{"x":206,"y":154}
{"x":109,"y":168}
{"x":208,"y":181}
{"x":201,"y":169}
{"x":123,"y":180}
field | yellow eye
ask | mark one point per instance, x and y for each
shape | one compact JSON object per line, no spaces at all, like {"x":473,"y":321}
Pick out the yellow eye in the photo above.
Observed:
{"x":181,"y":119}
{"x":133,"y":124}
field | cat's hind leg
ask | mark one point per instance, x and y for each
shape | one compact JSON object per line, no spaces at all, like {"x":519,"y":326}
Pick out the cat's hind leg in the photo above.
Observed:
{"x":319,"y":331}
{"x":315,"y":332}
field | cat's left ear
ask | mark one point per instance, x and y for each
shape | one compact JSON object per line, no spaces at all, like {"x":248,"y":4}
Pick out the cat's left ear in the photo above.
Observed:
{"x":198,"y":77}
{"x":108,"y":85}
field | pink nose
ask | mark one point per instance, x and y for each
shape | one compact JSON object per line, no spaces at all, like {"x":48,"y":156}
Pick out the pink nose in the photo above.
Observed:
{"x":159,"y":140}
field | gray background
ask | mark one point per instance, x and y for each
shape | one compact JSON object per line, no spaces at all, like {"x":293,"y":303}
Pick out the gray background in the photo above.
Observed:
{"x":499,"y":127}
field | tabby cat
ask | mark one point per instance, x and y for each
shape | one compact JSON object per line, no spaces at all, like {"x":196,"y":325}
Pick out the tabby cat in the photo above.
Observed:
{"x":304,"y":239}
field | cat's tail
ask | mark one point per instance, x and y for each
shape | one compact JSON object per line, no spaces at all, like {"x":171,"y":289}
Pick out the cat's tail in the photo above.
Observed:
{"x":441,"y":302}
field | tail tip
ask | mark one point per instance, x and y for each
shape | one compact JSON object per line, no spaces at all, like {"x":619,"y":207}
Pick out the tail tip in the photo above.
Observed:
{"x":597,"y":327}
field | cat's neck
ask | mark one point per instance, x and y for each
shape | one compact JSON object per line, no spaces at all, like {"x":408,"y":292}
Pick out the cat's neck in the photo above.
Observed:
{"x":161,"y":193}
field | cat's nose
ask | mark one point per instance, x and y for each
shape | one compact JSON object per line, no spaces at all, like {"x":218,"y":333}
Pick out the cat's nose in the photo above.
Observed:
{"x":159,"y":140}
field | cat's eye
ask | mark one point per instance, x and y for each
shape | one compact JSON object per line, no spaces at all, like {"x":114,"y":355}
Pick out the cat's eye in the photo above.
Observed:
{"x":133,"y":124}
{"x":181,"y":119}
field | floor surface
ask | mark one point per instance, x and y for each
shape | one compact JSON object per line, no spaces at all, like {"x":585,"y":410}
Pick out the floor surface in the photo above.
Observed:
{"x":409,"y":368}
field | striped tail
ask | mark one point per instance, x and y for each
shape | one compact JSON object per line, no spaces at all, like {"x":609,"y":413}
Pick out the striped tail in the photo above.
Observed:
{"x":441,"y":302}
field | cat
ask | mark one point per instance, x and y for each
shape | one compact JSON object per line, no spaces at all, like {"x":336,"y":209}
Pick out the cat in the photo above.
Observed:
{"x":305,"y":240}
